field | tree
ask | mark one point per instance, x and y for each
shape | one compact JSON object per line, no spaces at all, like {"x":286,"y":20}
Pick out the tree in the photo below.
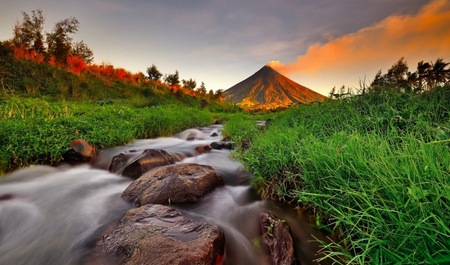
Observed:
{"x":189,"y":84}
{"x":202,"y":89}
{"x":173,"y":79}
{"x":80,"y":49}
{"x":423,"y":70}
{"x":412,"y":81}
{"x":59,"y":42}
{"x":28,"y":33}
{"x":219,"y":94}
{"x":438,"y":74}
{"x":153,"y":73}
{"x":427,"y":76}
{"x":396,"y":76}
{"x":379,"y":81}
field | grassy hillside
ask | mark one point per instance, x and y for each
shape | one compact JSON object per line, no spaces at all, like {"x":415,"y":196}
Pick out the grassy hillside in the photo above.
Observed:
{"x":374,"y":169}
{"x":43,"y":108}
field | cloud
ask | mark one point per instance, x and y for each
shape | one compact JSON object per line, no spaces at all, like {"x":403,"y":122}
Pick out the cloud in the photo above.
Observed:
{"x":111,"y":6}
{"x":421,"y":36}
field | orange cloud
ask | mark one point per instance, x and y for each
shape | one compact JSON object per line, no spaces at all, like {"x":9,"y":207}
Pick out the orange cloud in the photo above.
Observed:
{"x":422,"y":36}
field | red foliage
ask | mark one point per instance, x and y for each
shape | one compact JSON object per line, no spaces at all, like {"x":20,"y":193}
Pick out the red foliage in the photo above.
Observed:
{"x":52,"y":61}
{"x":139,"y":78}
{"x":31,"y":55}
{"x":107,"y":70}
{"x":39,"y":58}
{"x":122,"y":74}
{"x":75,"y":64}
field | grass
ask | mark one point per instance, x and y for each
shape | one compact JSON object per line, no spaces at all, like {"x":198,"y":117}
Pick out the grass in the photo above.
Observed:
{"x":375,"y":169}
{"x":37,"y":131}
{"x":43,"y":108}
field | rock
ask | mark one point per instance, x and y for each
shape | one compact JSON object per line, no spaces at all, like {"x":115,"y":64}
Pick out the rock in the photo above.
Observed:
{"x":149,"y":159}
{"x":6,"y":197}
{"x":214,"y":134}
{"x":173,"y":184}
{"x":203,"y":149}
{"x":222,"y":145}
{"x":157,"y":234}
{"x":81,"y":151}
{"x":277,"y":240}
{"x":263,"y":125}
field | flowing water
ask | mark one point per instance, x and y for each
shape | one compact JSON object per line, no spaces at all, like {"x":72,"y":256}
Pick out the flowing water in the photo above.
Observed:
{"x":50,"y":216}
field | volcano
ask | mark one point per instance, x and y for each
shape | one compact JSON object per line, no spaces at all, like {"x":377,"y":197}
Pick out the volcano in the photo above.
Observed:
{"x":268,"y":89}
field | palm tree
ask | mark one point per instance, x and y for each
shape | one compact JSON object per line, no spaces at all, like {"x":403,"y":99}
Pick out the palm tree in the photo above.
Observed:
{"x":411,"y":81}
{"x":423,"y":70}
{"x":438,"y":74}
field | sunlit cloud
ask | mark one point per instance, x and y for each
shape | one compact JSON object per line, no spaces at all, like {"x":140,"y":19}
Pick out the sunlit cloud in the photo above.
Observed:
{"x":421,"y":36}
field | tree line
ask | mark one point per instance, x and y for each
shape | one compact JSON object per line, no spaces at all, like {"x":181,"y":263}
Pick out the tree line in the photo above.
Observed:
{"x":427,"y":76}
{"x":57,"y":46}
{"x":59,"y":49}
{"x":173,"y":81}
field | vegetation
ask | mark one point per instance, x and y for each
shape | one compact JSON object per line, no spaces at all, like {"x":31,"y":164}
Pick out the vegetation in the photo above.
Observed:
{"x":51,"y":94}
{"x":399,"y":78}
{"x":36,"y":131}
{"x":374,"y":169}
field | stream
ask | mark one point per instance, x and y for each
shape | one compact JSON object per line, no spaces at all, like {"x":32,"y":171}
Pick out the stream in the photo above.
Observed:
{"x":50,"y":215}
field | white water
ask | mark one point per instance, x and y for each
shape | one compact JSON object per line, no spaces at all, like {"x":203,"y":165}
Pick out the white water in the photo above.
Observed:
{"x":51,"y":216}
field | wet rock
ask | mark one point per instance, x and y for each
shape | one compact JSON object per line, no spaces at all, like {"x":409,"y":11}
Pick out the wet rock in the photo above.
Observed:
{"x":141,"y":163}
{"x":203,"y":149}
{"x":214,"y":134}
{"x":81,"y":151}
{"x":173,"y":184}
{"x":222,"y":145}
{"x":277,"y":240}
{"x":6,"y":197}
{"x":157,"y":234}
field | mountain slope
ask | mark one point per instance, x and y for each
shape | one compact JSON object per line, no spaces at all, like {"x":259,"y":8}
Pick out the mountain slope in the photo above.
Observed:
{"x":269,"y":89}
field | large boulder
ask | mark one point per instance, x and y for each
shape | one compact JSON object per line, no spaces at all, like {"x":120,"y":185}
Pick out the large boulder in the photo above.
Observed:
{"x":277,"y":240}
{"x":81,"y":151}
{"x":173,"y":184}
{"x":134,"y":164}
{"x":158,"y":234}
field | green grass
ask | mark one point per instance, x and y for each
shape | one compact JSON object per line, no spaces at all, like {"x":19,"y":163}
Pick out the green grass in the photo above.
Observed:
{"x":43,"y":108}
{"x":375,"y":169}
{"x":37,"y":131}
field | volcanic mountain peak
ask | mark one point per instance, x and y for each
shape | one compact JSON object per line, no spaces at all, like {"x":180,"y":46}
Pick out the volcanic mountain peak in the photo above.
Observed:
{"x":269,"y":89}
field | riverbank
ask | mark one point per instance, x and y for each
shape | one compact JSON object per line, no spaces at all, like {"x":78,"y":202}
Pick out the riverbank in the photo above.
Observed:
{"x":374,"y":169}
{"x":192,"y":205}
{"x":39,"y":131}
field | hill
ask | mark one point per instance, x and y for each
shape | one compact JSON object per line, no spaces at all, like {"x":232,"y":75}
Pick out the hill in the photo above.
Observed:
{"x":268,"y":89}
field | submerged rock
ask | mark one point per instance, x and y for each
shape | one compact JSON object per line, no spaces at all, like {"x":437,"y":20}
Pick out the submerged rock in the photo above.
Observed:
{"x":149,"y":159}
{"x":157,"y":234}
{"x":173,"y":184}
{"x":277,"y":240}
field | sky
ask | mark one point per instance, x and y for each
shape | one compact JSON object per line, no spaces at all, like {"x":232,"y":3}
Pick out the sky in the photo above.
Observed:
{"x":320,"y":44}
